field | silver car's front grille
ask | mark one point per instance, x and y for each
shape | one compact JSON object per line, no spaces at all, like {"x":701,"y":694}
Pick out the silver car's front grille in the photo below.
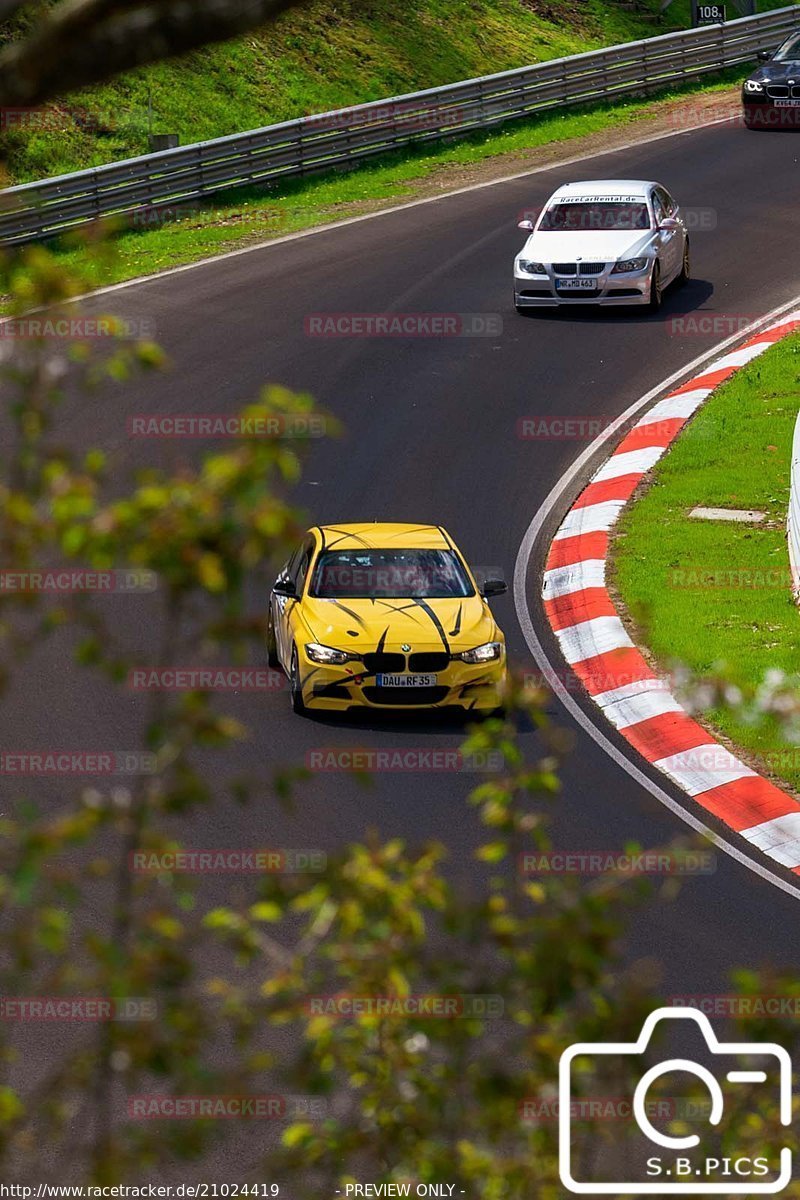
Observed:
{"x":579,"y":268}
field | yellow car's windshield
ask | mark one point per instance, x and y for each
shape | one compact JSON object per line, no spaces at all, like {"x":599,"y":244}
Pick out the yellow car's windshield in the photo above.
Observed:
{"x":390,"y":574}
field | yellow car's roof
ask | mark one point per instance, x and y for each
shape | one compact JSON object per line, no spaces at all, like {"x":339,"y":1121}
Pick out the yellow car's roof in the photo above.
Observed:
{"x":377,"y":535}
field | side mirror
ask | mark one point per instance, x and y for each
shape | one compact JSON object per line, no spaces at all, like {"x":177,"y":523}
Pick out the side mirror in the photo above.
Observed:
{"x":669,"y":223}
{"x":527,"y":225}
{"x":494,"y":587}
{"x":764,"y":55}
{"x":285,"y":587}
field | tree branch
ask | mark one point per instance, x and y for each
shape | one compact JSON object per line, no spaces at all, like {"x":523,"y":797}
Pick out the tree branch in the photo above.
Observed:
{"x":88,"y":41}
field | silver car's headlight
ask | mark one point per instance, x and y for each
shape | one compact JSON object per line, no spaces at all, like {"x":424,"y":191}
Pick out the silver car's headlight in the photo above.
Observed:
{"x":752,"y":85}
{"x":488,"y":652}
{"x":629,"y":264}
{"x":531,"y":268}
{"x":326,"y":654}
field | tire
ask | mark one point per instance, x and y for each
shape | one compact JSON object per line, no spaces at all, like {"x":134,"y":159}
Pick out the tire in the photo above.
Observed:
{"x":272,"y":649}
{"x":655,"y":289}
{"x":294,"y":685}
{"x":686,"y":266}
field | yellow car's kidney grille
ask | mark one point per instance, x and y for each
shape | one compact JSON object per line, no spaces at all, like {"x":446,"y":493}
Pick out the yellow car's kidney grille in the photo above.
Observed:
{"x":427,"y":663}
{"x":384,"y":663}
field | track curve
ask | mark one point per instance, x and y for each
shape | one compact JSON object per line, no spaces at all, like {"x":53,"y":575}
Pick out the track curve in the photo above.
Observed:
{"x":431,"y":436}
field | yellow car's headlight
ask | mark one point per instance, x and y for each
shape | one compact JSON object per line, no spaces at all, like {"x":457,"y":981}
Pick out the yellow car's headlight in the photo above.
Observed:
{"x":327,"y":655}
{"x":488,"y":652}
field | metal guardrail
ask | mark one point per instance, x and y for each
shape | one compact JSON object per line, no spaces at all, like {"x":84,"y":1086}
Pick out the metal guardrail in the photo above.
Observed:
{"x":350,"y":135}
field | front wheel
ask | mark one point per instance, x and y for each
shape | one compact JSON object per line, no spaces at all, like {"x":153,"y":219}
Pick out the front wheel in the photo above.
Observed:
{"x":294,"y":685}
{"x":655,"y":289}
{"x":686,"y":265}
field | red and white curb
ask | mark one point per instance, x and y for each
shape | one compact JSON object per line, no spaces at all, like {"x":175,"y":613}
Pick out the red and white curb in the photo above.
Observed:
{"x":595,"y":643}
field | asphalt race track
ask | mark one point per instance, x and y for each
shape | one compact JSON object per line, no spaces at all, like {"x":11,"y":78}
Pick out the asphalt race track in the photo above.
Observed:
{"x":431,"y":437}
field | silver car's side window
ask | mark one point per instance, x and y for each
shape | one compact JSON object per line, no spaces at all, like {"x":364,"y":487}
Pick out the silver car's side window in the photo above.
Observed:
{"x":658,"y":206}
{"x":670,"y":207}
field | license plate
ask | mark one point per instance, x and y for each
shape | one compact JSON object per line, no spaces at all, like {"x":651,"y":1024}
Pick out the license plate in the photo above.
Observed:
{"x":406,"y":681}
{"x":576,"y":285}
{"x":787,"y":103}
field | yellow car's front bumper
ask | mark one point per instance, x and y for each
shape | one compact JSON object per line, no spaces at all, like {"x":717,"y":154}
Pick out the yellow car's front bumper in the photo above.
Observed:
{"x":461,"y":685}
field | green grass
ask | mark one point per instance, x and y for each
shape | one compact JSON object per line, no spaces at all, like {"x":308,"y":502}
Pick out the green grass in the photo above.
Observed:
{"x":736,"y":453}
{"x":330,"y":54}
{"x":254,"y":215}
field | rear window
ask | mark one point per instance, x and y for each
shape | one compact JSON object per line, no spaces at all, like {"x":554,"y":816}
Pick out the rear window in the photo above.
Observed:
{"x":600,"y":215}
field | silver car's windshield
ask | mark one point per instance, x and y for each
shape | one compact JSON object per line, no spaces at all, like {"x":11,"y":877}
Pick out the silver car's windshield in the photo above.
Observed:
{"x":595,"y":216}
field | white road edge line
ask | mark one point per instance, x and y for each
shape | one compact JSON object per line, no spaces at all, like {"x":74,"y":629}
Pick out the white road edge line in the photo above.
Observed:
{"x":384,"y":212}
{"x":550,"y":670}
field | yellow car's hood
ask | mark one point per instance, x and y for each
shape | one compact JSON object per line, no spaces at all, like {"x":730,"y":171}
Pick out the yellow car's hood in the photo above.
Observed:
{"x":452,"y":624}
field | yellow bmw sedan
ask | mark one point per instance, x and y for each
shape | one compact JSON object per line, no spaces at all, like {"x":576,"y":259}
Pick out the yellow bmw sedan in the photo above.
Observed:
{"x":385,"y":616}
